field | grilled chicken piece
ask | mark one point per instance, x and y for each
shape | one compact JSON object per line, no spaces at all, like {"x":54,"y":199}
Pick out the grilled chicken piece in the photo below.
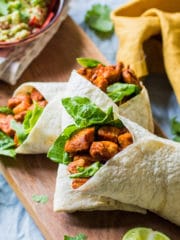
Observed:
{"x":86,"y":157}
{"x":77,"y":182}
{"x":73,"y":166}
{"x":36,"y":95}
{"x":80,"y":141}
{"x":5,"y":121}
{"x":110,"y":133}
{"x":125,"y":139}
{"x":129,"y":76}
{"x":103,"y":150}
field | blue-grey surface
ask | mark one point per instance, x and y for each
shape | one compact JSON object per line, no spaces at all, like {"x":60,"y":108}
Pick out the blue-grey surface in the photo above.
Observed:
{"x":15,"y":222}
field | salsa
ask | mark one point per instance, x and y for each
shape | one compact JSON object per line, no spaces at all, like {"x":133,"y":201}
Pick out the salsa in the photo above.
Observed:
{"x":20,"y":18}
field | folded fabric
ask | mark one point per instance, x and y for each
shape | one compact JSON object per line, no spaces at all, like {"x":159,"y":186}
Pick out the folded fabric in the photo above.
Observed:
{"x":140,"y":20}
{"x":13,"y":62}
{"x":146,"y":174}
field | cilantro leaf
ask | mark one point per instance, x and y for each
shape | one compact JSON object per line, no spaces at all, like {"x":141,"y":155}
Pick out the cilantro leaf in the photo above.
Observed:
{"x":40,"y":198}
{"x":80,"y":236}
{"x":98,"y":19}
{"x":175,"y":128}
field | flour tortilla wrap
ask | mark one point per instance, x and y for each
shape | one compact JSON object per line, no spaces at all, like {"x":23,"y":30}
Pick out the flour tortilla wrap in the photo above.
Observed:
{"x":137,"y":109}
{"x":145,"y":174}
{"x":48,"y":126}
{"x":70,"y":200}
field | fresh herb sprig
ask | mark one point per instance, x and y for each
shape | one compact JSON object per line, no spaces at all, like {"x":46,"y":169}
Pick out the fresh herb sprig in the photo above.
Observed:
{"x":98,"y":19}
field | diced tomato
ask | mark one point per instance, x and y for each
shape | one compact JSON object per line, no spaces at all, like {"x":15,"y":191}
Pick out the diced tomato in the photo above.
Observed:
{"x":34,"y":22}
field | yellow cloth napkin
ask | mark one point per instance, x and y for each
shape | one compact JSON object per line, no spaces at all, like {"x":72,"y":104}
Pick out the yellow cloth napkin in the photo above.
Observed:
{"x":140,"y":20}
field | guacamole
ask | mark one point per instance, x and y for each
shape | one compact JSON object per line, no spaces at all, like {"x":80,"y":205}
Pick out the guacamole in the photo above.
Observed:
{"x":20,"y":18}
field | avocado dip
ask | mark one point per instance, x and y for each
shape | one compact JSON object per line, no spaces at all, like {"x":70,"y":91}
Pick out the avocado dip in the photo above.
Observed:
{"x":20,"y":18}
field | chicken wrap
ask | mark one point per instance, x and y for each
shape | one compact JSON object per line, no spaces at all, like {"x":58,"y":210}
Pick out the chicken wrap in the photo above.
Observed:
{"x":89,"y":124}
{"x":31,"y":121}
{"x":121,"y":85}
{"x":104,"y":155}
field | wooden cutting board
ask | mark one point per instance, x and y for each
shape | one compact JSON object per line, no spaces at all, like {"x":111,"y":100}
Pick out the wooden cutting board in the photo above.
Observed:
{"x":35,"y":174}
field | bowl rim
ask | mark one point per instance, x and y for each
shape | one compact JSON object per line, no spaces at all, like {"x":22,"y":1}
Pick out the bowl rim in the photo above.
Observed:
{"x":35,"y":35}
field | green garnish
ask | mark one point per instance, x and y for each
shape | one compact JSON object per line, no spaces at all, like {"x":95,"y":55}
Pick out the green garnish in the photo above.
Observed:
{"x":80,"y":236}
{"x":40,"y":198}
{"x":98,"y":19}
{"x":175,"y":128}
{"x":23,"y":129}
{"x":88,"y":62}
{"x":7,"y":146}
{"x":20,"y":131}
{"x":3,"y":8}
{"x":118,"y":91}
{"x":85,"y":114}
{"x":87,"y":171}
{"x":6,"y":110}
{"x":32,"y":117}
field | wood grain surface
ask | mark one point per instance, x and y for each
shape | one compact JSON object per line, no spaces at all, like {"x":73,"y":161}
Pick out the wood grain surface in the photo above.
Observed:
{"x":35,"y":174}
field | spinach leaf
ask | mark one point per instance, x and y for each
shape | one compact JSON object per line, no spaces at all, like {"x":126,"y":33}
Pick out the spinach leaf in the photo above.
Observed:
{"x":31,"y":117}
{"x":88,"y":62}
{"x":56,"y":151}
{"x":88,"y":171}
{"x":7,"y":146}
{"x":20,"y":131}
{"x":118,"y":91}
{"x":175,"y":128}
{"x":6,"y":110}
{"x":80,"y":236}
{"x":85,"y":113}
{"x":98,"y":18}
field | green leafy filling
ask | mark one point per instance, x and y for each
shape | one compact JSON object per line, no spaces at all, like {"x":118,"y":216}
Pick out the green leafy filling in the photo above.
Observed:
{"x":6,"y":110}
{"x":80,"y":236}
{"x":85,"y":172}
{"x":88,"y":62}
{"x":85,"y":114}
{"x":98,"y":18}
{"x":175,"y":128}
{"x":118,"y":91}
{"x":7,"y":146}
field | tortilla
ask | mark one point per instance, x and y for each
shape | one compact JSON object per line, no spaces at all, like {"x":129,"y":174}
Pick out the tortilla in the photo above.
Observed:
{"x":146,"y":174}
{"x":48,"y":126}
{"x":137,"y":109}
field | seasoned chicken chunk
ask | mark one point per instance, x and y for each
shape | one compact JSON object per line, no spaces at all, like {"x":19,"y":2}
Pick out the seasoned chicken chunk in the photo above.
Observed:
{"x":103,"y":150}
{"x":73,"y":166}
{"x":20,"y":104}
{"x":110,"y":133}
{"x":101,"y":83}
{"x":86,"y":157}
{"x":80,"y":141}
{"x":125,"y":139}
{"x":36,"y":95}
{"x":5,"y":121}
{"x":77,"y":182}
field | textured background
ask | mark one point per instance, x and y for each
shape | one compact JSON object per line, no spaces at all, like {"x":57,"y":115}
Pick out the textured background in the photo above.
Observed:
{"x":15,"y":222}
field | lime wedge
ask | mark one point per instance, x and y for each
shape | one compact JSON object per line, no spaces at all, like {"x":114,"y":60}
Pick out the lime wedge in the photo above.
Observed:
{"x":141,"y":233}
